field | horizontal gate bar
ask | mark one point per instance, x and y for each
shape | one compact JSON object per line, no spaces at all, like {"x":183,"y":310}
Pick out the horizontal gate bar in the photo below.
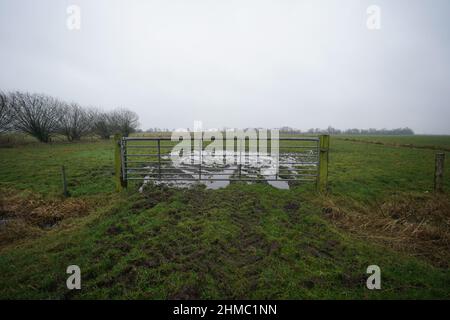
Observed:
{"x":208,"y":140}
{"x":218,"y":174}
{"x":210,"y":170}
{"x":212,"y":180}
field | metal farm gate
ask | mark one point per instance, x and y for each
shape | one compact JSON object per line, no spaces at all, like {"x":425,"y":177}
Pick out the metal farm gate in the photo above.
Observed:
{"x":300,"y":159}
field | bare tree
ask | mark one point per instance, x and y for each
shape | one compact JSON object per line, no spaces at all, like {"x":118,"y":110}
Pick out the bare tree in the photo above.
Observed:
{"x":102,"y":124}
{"x":74,"y":122}
{"x":5,"y":112}
{"x":36,"y":114}
{"x":124,"y":121}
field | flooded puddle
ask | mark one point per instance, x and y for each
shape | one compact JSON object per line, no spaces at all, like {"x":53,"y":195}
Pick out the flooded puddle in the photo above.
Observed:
{"x":250,"y":168}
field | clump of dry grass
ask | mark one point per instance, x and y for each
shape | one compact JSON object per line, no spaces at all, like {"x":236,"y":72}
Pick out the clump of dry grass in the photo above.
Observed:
{"x":26,"y":216}
{"x":418,"y":224}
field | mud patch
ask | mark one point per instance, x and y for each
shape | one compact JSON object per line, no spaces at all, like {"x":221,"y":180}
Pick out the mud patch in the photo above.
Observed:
{"x":353,"y":280}
{"x":195,"y":246}
{"x":293,"y":211}
{"x":186,"y":293}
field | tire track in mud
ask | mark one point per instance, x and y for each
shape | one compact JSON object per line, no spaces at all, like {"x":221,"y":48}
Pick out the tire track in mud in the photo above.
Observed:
{"x":250,"y":244}
{"x":219,"y":264}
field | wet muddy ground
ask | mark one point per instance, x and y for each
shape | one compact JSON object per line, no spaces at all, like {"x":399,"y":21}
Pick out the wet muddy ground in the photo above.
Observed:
{"x":219,"y":170}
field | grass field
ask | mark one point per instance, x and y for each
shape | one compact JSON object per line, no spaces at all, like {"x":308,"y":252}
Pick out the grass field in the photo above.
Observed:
{"x":243,"y":241}
{"x":427,"y":142}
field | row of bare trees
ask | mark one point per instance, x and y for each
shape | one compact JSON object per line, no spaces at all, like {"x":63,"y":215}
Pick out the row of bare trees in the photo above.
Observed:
{"x":43,"y":117}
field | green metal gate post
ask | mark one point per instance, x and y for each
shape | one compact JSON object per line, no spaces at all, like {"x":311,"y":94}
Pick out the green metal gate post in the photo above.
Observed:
{"x":324,"y":146}
{"x":120,"y":182}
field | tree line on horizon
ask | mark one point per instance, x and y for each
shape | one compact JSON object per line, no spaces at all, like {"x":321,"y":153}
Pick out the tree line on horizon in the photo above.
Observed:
{"x":353,"y":131}
{"x":43,"y":117}
{"x":329,"y":130}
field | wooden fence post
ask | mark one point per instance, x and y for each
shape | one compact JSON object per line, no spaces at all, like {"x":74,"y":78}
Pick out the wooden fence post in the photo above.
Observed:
{"x":324,"y":145}
{"x":120,"y":183}
{"x":64,"y":182}
{"x":439,"y":172}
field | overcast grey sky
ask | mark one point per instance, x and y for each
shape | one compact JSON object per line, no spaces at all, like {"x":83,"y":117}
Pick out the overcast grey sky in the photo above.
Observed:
{"x":236,"y":63}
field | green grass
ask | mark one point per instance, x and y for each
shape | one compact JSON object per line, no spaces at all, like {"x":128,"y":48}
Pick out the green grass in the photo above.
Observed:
{"x":369,"y":172}
{"x":239,"y":242}
{"x":421,"y":141}
{"x":37,"y":167}
{"x":243,"y":241}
